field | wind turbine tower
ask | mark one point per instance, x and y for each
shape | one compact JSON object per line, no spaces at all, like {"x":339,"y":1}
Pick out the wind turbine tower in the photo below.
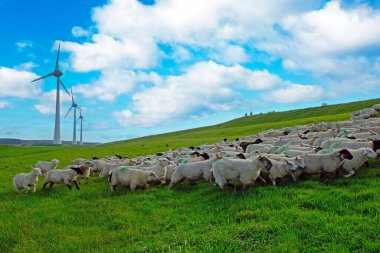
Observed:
{"x":75,"y":106}
{"x":81,"y":123}
{"x":57,"y":73}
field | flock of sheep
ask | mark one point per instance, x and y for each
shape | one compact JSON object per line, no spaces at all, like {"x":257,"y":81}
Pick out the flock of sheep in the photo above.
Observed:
{"x":317,"y":149}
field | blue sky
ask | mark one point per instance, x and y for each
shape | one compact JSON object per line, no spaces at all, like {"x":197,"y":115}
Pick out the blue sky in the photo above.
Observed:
{"x":147,"y":67}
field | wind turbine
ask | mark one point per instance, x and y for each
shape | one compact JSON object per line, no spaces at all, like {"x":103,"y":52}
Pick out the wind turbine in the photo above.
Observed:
{"x":57,"y":73}
{"x":75,"y":106}
{"x":81,"y":123}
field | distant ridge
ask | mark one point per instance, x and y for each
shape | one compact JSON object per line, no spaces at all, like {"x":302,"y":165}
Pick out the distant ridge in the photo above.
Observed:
{"x":20,"y":142}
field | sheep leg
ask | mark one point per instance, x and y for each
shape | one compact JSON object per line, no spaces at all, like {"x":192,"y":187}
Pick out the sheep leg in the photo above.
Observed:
{"x":133,"y":187}
{"x":45,"y":184}
{"x":294,"y":177}
{"x":69,"y":186}
{"x":113,"y":187}
{"x":146,"y":186}
{"x":51,"y":184}
{"x":27,"y":188}
{"x":76,"y":184}
{"x":366,"y":163}
{"x":349,"y":174}
{"x":273,"y":182}
{"x":262,"y":179}
{"x":34,"y":188}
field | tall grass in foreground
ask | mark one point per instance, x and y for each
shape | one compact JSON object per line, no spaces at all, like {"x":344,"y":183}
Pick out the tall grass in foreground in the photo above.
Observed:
{"x":306,"y":216}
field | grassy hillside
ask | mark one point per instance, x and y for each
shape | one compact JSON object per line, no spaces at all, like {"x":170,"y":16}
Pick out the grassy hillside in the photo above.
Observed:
{"x":309,"y":216}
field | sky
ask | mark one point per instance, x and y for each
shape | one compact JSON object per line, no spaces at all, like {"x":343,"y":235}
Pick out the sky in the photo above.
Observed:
{"x":145,"y":67}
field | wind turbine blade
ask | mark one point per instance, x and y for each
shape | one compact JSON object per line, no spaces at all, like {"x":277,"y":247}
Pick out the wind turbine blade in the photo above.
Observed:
{"x":79,"y":108}
{"x":72,"y":96}
{"x":68,"y":111}
{"x":78,"y":119}
{"x":64,"y":86}
{"x":57,"y":61}
{"x":42,"y":77}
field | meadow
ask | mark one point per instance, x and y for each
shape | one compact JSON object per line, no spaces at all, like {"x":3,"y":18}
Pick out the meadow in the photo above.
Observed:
{"x":329,"y":215}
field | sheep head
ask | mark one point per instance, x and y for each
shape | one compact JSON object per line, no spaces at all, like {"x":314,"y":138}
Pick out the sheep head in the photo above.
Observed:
{"x":345,"y":154}
{"x":36,"y":171}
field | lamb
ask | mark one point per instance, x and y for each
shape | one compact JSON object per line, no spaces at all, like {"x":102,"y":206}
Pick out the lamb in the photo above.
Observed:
{"x":46,"y":166}
{"x":279,"y":169}
{"x":67,"y":176}
{"x":86,"y":168}
{"x":325,"y":163}
{"x":159,"y":169}
{"x":132,"y":178}
{"x":27,"y":180}
{"x":99,"y":165}
{"x":360,"y":156}
{"x":193,"y":171}
{"x":246,"y":171}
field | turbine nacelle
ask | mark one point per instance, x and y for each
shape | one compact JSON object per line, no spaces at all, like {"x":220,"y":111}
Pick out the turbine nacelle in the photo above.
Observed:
{"x":57,"y":73}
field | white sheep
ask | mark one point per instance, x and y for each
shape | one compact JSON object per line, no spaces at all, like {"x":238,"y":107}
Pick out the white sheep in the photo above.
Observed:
{"x":67,"y":176}
{"x":244,"y":170}
{"x":325,"y":163}
{"x":132,"y":178}
{"x":27,"y":180}
{"x":78,"y":161}
{"x":375,"y":145}
{"x":360,"y":156}
{"x":279,"y":169}
{"x":85,"y":167}
{"x":46,"y":166}
{"x":193,"y":171}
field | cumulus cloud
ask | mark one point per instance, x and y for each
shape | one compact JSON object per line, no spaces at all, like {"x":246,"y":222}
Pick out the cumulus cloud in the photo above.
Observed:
{"x":115,"y":82}
{"x":292,"y":93}
{"x":204,"y":88}
{"x":16,"y":83}
{"x":134,"y":41}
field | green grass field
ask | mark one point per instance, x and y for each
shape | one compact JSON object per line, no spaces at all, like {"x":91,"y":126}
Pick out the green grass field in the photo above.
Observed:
{"x":315,"y":215}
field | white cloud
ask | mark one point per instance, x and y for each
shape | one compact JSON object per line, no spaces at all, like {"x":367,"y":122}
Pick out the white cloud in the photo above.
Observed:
{"x":334,"y":29}
{"x":113,"y":83}
{"x":4,"y":104}
{"x":47,"y":103}
{"x":206,"y":87}
{"x":78,"y":31}
{"x":292,"y":93}
{"x":24,"y":44}
{"x":17,"y":83}
{"x":27,"y":66}
{"x":129,"y":32}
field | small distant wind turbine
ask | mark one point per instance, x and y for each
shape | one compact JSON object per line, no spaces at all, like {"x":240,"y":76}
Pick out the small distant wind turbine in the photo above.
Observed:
{"x":75,"y":106}
{"x":57,"y":73}
{"x":81,"y":123}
